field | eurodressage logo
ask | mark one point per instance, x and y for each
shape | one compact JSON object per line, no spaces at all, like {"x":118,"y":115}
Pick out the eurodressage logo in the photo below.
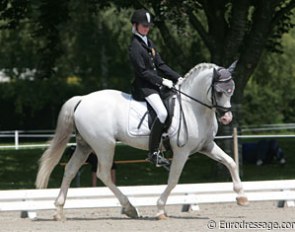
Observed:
{"x":229,"y":225}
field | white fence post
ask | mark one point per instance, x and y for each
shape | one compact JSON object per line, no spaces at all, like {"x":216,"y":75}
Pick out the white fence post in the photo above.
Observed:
{"x":236,"y":149}
{"x":16,"y":140}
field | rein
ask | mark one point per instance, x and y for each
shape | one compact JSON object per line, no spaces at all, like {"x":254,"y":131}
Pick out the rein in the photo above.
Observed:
{"x":192,"y":98}
{"x":222,"y":108}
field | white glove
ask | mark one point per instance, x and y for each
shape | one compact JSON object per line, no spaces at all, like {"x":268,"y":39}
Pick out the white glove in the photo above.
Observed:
{"x":180,"y":80}
{"x":167,"y":83}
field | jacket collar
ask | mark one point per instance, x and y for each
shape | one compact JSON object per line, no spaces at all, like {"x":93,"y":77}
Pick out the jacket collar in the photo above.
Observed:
{"x":144,"y":38}
{"x":142,"y":42}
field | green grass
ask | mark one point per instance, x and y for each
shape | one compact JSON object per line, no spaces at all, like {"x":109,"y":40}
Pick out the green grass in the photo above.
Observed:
{"x":18,"y":169}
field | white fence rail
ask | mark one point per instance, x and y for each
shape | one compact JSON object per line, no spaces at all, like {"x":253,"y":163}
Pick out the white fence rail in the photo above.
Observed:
{"x":17,"y":135}
{"x":183,"y":194}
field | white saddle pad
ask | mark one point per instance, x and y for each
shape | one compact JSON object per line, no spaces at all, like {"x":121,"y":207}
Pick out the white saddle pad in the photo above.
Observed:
{"x":136,"y":112}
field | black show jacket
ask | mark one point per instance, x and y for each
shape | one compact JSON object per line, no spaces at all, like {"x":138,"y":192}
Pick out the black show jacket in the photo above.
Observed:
{"x":148,"y":68}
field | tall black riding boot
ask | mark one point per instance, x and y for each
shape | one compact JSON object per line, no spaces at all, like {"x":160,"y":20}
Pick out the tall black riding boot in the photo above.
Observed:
{"x":154,"y":143}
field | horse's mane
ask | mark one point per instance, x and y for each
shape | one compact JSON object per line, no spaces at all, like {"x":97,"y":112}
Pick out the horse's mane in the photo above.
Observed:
{"x":198,"y":68}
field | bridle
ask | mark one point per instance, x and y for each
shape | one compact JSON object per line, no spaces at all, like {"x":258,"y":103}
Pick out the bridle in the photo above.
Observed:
{"x":221,"y":110}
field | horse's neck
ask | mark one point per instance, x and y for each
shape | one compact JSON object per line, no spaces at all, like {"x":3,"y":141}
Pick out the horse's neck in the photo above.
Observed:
{"x":198,"y":83}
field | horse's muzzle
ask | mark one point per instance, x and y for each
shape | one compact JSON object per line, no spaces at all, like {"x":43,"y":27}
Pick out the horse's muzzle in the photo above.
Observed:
{"x":226,"y":118}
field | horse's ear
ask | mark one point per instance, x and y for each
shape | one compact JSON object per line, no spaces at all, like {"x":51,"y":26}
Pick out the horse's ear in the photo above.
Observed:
{"x":232,"y":67}
{"x":216,"y":75}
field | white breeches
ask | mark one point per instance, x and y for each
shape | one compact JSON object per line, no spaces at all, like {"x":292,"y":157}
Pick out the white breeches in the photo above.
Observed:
{"x":157,"y":104}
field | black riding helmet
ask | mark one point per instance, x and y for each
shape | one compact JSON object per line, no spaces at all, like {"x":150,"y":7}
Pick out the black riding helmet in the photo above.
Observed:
{"x":141,"y":16}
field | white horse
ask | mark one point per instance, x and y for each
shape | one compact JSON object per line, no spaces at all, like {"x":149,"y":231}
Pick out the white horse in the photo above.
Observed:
{"x":101,"y":118}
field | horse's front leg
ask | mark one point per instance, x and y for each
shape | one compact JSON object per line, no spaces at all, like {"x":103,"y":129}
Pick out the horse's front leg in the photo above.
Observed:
{"x":174,"y":174}
{"x":215,"y":152}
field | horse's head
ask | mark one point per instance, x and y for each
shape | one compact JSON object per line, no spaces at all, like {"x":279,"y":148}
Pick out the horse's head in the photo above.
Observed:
{"x":220,"y":88}
{"x":223,"y":88}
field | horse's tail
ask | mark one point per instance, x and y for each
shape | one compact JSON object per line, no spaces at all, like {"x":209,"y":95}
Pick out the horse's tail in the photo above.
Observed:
{"x":53,"y":153}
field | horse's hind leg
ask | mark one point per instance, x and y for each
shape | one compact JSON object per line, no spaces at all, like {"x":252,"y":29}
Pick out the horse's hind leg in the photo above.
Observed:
{"x":78,"y":158}
{"x":215,"y":152}
{"x":105,"y":154}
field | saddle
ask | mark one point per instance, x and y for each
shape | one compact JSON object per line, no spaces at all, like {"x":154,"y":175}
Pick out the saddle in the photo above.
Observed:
{"x":142,"y":115}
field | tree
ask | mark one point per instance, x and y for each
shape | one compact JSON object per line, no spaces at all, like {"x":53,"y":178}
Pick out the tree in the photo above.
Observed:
{"x":268,"y":92}
{"x":96,"y":48}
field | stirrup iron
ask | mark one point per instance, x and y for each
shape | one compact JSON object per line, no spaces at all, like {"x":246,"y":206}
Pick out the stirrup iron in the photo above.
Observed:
{"x":157,"y":159}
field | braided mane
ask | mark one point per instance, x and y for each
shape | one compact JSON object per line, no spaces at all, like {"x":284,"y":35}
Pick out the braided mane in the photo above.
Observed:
{"x":198,"y":68}
{"x":189,"y":77}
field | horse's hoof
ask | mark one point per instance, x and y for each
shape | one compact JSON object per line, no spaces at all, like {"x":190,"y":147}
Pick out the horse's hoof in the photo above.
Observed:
{"x":162,"y":217}
{"x":132,"y":212}
{"x":58,"y":217}
{"x":242,"y":201}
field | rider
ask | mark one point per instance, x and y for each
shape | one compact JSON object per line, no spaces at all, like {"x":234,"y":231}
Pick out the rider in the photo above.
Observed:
{"x":150,"y":74}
